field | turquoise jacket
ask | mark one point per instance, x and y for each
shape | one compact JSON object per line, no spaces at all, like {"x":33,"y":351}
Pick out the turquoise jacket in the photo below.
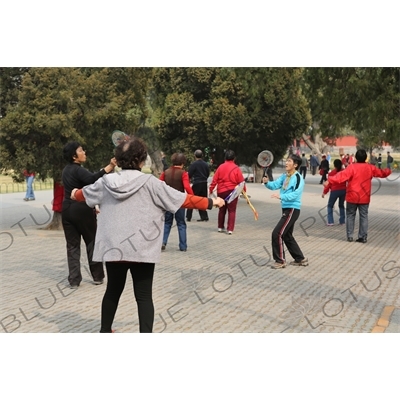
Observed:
{"x":291,"y":195}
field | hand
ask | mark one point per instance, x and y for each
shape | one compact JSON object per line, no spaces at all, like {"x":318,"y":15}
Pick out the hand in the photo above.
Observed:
{"x":218,"y":202}
{"x":97,"y":209}
{"x":73,"y":194}
{"x":323,"y":196}
{"x":326,"y":183}
{"x":110,"y":167}
{"x":275,"y":196}
{"x":265,"y":179}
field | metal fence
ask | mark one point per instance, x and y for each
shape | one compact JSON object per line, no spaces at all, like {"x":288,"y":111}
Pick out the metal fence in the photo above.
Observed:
{"x":14,"y":187}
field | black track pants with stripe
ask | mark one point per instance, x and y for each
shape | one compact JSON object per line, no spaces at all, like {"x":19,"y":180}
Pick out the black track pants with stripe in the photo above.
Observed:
{"x":283,"y":234}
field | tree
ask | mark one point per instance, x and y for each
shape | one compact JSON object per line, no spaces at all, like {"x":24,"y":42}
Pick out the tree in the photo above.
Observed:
{"x":364,"y":100}
{"x":58,"y":105}
{"x":10,"y":84}
{"x":244,"y":109}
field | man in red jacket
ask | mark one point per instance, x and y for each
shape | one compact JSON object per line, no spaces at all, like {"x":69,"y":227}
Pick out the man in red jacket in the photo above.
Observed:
{"x":226,"y":177}
{"x":358,"y":194}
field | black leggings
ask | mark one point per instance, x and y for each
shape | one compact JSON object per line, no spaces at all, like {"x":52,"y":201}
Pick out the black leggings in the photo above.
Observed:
{"x":142,"y":276}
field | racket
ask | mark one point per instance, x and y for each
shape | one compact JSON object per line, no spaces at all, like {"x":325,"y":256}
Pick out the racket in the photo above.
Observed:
{"x":118,"y":136}
{"x":265,"y":158}
{"x":235,"y":193}
{"x":251,"y":205}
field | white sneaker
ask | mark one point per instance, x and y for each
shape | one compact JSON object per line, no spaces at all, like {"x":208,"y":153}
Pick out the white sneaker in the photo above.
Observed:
{"x":220,"y":230}
{"x":229,"y":232}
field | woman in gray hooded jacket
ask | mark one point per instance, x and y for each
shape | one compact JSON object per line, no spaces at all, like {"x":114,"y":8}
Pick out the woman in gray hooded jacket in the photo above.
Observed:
{"x":130,"y":228}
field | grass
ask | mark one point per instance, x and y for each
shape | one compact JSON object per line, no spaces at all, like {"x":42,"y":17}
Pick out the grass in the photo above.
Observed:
{"x":7,"y":185}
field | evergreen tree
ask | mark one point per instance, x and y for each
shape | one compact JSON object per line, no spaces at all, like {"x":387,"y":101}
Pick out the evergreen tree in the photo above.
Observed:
{"x":58,"y":105}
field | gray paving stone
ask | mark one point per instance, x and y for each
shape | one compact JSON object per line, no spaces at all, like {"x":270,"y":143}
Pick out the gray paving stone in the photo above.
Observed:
{"x":222,"y":283}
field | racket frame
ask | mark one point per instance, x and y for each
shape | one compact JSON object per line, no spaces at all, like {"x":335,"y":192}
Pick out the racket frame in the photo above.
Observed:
{"x":265,"y":165}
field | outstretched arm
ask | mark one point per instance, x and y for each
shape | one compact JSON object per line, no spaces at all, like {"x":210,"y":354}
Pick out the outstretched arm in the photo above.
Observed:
{"x":202,"y":203}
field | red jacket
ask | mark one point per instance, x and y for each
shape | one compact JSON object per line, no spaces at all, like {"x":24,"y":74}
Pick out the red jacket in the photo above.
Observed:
{"x":334,"y":186}
{"x":226,"y":177}
{"x":28,"y":173}
{"x":358,"y":177}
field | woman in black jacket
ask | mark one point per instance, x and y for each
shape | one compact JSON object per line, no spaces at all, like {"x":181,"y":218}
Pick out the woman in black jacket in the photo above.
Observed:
{"x":78,"y":219}
{"x":324,"y":169}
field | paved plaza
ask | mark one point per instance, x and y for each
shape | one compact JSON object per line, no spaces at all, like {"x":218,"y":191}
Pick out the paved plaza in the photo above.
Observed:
{"x":222,"y":283}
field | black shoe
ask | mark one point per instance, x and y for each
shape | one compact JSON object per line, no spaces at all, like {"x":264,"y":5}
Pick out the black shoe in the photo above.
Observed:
{"x":163,"y":247}
{"x":201,"y":220}
{"x":73,"y":286}
{"x":361,"y":240}
{"x":349,"y":239}
{"x":188,"y":220}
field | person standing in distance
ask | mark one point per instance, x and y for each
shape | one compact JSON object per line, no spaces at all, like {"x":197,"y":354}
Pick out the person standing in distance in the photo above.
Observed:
{"x":314,"y":164}
{"x":29,"y":178}
{"x":389,"y":160}
{"x":379,"y":160}
{"x":199,"y":171}
{"x":338,"y":191}
{"x":227,"y":176}
{"x":177,"y":178}
{"x":304,"y":165}
{"x":291,"y":187}
{"x":324,"y":169}
{"x":358,"y":193}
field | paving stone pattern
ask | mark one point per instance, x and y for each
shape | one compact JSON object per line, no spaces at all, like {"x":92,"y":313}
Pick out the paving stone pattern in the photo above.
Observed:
{"x":222,"y":283}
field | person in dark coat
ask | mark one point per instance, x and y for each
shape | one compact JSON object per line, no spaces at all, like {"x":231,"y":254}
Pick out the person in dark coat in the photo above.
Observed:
{"x":324,"y":169}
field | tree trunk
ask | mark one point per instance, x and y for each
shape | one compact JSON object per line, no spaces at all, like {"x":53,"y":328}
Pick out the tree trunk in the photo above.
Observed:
{"x":258,"y":173}
{"x":153,"y":149}
{"x":318,"y":147}
{"x":55,"y":224}
{"x":156,"y":163}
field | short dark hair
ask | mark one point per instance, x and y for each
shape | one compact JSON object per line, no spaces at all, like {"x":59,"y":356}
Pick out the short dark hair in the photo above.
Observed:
{"x":296,"y":160}
{"x":131,"y":153}
{"x":338,"y":164}
{"x":304,"y":154}
{"x":69,"y":151}
{"x":229,"y":155}
{"x":198,"y":154}
{"x":361,"y":155}
{"x":178,"y":159}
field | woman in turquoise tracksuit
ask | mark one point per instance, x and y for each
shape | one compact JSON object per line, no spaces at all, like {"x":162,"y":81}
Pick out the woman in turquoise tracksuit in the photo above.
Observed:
{"x":291,"y":186}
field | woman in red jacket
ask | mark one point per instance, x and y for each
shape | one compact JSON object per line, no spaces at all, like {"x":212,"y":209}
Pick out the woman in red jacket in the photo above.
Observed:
{"x":358,"y":193}
{"x":226,"y":178}
{"x":338,"y":191}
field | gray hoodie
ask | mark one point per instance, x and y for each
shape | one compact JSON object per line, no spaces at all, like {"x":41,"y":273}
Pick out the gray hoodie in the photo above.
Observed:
{"x":131,"y":220}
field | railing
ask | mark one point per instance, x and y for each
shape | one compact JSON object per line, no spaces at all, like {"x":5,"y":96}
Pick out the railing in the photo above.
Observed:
{"x":13,"y":187}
